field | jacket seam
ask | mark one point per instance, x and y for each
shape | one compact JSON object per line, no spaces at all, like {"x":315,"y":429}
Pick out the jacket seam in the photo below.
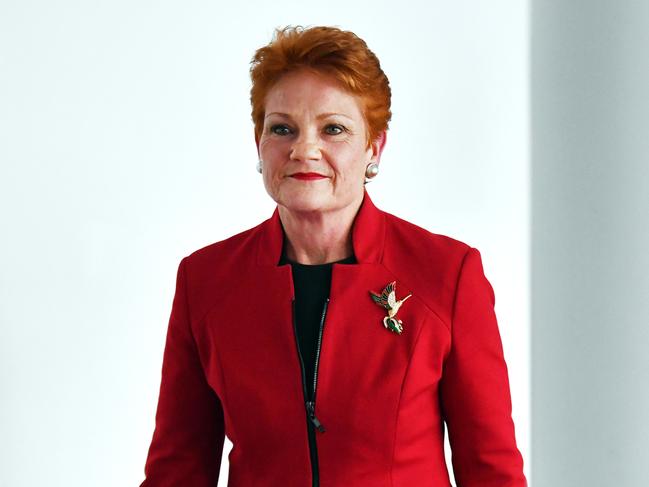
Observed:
{"x":457,"y":284}
{"x":188,"y":315}
{"x":426,"y":305}
{"x":218,"y":361}
{"x":191,"y":332}
{"x":396,"y":420}
{"x":385,"y":234}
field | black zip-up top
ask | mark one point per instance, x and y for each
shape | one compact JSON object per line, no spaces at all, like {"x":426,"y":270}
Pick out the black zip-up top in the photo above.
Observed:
{"x":312,"y":284}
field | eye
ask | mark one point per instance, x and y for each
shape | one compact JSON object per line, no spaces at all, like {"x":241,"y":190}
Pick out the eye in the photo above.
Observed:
{"x":280,"y":129}
{"x":334,"y":129}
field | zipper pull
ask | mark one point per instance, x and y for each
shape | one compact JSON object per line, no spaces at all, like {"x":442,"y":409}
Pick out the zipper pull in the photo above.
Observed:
{"x":310,"y":407}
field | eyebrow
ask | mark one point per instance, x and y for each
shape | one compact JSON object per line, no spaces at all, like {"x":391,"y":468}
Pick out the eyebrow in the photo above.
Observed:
{"x":319,"y":117}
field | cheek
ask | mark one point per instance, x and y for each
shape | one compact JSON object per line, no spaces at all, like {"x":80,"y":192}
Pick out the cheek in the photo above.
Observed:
{"x":348,"y":160}
{"x":271,"y":152}
{"x":272,"y":148}
{"x":264,"y":145}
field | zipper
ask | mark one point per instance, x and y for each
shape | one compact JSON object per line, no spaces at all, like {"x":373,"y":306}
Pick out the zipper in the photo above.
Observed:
{"x":312,"y":420}
{"x":311,"y":408}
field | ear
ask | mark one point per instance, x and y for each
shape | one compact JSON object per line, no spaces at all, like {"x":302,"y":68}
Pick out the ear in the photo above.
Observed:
{"x":377,"y":146}
{"x":257,"y":143}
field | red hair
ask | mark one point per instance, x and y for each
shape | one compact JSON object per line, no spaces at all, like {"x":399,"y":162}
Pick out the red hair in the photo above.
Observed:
{"x":329,"y":51}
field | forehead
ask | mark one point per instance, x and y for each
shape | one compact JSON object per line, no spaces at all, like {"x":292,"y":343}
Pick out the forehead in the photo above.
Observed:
{"x":306,"y":92}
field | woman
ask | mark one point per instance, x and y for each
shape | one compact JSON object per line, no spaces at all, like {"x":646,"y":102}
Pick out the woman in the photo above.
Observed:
{"x":332,"y":341}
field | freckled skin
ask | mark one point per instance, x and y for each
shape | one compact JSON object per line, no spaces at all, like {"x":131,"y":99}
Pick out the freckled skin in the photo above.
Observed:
{"x":313,"y":125}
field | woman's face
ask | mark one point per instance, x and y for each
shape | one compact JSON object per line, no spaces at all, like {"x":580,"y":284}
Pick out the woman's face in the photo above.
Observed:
{"x":314,"y":127}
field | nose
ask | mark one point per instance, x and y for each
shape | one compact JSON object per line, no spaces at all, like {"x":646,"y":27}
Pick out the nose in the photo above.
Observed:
{"x":305,"y":148}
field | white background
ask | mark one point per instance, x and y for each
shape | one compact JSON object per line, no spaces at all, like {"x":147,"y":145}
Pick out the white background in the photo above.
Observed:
{"x":126,"y":143}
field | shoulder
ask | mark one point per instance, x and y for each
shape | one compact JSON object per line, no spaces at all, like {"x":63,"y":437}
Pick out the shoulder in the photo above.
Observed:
{"x":428,"y":263}
{"x":236,"y":244}
{"x":403,"y":236}
{"x":210,"y":266}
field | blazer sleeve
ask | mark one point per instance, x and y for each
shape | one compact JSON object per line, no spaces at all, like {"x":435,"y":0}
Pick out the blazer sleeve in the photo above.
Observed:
{"x":474,"y":389}
{"x":189,"y":428}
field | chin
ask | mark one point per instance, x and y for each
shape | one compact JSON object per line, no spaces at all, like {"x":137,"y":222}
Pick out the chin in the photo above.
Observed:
{"x":310,"y":200}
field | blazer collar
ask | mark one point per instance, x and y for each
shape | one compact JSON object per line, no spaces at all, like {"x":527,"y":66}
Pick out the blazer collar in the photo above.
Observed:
{"x":368,"y":235}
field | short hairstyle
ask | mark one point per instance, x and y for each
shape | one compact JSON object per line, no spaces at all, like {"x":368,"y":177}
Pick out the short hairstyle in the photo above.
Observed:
{"x":324,"y":50}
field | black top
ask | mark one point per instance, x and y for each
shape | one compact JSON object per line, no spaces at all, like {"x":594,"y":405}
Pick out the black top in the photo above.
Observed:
{"x":312,"y":283}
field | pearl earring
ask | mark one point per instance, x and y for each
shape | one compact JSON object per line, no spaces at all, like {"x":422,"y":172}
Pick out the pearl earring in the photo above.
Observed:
{"x":259,"y":163}
{"x":371,"y":170}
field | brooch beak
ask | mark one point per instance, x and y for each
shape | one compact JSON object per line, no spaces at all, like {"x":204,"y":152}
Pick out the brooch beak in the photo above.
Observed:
{"x":387,"y":299}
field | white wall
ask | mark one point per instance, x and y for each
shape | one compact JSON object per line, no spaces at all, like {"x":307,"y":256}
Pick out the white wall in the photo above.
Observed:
{"x":126,"y":143}
{"x":590,"y":86}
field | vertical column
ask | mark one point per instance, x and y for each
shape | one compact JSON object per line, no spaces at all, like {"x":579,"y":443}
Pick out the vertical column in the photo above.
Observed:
{"x":590,"y":243}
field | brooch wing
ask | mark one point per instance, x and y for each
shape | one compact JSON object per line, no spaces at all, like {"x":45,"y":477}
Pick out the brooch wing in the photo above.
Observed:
{"x":387,"y":297}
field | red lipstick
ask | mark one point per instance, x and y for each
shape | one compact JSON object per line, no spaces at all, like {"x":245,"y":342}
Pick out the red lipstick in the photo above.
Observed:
{"x":307,"y":175}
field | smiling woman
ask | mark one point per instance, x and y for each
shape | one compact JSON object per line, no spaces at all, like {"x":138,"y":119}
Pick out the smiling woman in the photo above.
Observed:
{"x":314,"y":153}
{"x":332,"y":341}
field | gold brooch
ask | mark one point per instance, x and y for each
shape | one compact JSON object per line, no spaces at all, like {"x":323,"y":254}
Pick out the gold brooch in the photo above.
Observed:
{"x":388,"y":300}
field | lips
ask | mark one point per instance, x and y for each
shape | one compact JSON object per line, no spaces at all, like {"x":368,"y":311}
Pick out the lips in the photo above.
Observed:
{"x":307,"y":175}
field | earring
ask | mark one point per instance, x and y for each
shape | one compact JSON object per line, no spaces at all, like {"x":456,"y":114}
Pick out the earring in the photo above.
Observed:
{"x":371,"y":170}
{"x":259,"y":163}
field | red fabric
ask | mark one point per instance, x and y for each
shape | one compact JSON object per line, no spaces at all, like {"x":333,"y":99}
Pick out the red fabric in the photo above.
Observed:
{"x":231,"y":368}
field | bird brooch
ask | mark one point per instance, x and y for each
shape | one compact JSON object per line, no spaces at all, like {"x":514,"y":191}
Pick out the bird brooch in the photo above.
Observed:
{"x":388,"y":300}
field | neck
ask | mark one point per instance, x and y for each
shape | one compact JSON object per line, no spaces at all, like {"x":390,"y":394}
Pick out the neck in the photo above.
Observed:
{"x":316,"y":237}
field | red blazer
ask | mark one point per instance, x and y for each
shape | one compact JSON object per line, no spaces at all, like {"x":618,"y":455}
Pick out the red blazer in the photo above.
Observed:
{"x":231,"y":367}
